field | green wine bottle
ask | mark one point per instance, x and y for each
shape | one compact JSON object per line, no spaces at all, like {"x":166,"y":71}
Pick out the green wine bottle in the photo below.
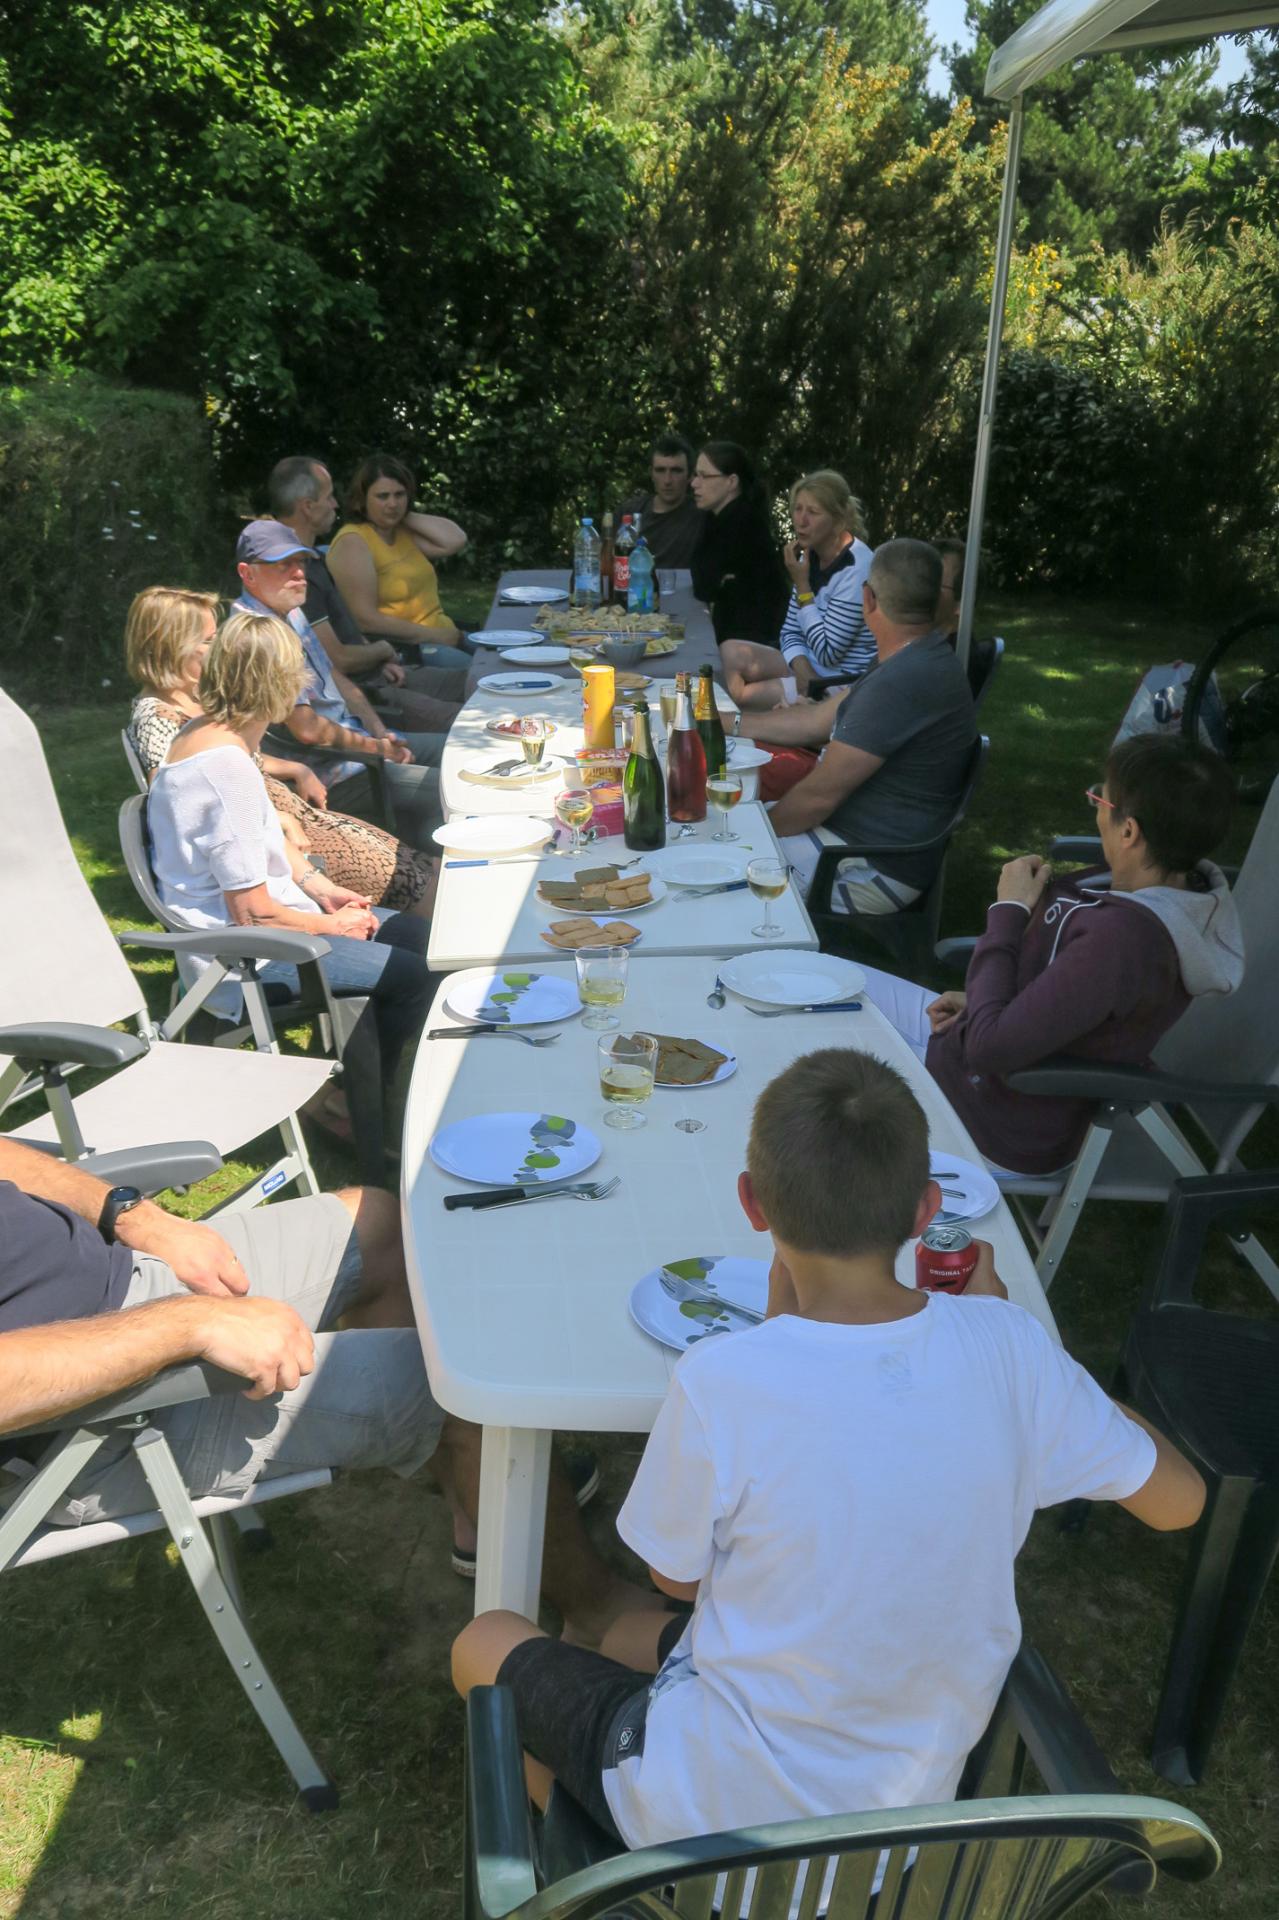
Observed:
{"x":643,"y":790}
{"x":710,"y":728}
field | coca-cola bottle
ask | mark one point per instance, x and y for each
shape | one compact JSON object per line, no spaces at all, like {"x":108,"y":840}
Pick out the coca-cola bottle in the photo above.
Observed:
{"x":685,"y":761}
{"x":623,"y":547}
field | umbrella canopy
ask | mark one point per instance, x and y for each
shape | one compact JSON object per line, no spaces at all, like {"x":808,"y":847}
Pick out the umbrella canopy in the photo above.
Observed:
{"x":1061,"y":31}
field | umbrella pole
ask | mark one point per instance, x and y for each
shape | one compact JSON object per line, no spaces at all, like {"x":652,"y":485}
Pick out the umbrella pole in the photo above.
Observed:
{"x":990,"y":378}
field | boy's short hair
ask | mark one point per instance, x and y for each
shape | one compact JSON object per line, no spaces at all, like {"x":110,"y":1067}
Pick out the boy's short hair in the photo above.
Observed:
{"x":672,"y":443}
{"x":1179,"y":792}
{"x":838,"y":1155}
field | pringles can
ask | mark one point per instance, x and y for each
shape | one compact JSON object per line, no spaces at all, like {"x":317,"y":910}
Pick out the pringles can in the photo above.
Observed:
{"x":945,"y":1259}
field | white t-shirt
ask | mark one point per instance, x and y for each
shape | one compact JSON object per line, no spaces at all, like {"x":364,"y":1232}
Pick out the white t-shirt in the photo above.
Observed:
{"x":214,"y":831}
{"x":852,"y":1500}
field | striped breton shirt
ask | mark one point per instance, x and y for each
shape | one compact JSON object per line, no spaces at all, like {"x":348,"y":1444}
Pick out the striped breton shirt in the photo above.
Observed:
{"x":831,"y":632}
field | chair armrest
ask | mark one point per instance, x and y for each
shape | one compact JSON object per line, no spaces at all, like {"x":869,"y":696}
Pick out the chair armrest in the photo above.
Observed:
{"x":498,"y":1830}
{"x":1136,"y":1087}
{"x":1077,"y":846}
{"x":176,"y":1163}
{"x":233,"y":943}
{"x":956,"y":951}
{"x":291,"y":748}
{"x":174,"y":1387}
{"x":49,"y":1044}
{"x":1056,"y":1736}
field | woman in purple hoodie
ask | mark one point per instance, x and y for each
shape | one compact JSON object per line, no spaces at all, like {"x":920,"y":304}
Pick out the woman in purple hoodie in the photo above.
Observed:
{"x":1098,"y":966}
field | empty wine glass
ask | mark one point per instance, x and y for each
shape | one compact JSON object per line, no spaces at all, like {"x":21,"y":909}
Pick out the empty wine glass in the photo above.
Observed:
{"x":574,"y":808}
{"x":767,"y":880}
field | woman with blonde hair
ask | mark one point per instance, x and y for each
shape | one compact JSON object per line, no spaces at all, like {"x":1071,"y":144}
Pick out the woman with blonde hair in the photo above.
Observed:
{"x":219,"y":856}
{"x":166,"y":638}
{"x":824,"y":640}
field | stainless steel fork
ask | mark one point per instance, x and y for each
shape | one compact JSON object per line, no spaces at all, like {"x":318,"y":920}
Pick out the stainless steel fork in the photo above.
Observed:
{"x":501,"y":1033}
{"x":518,"y":1196}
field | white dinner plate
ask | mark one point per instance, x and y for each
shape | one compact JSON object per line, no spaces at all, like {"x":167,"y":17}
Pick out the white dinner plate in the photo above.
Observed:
{"x":515,"y":1149}
{"x":525,"y":684}
{"x":744,"y":754}
{"x":790,"y":979}
{"x":701,"y":869}
{"x":532,"y":596}
{"x":516,"y":998}
{"x":492,"y":834}
{"x":656,"y":889}
{"x":725,"y":1071}
{"x":681,"y":1327}
{"x":508,"y":637}
{"x":969,"y":1191}
{"x":537,"y":656}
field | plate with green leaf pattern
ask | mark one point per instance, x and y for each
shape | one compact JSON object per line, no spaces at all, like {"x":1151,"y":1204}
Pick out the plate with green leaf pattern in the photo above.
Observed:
{"x":515,"y":1149}
{"x":513,"y":998}
{"x":681,"y":1324}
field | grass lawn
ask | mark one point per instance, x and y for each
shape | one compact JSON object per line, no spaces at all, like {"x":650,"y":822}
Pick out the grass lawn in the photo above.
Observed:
{"x":133,"y":1777}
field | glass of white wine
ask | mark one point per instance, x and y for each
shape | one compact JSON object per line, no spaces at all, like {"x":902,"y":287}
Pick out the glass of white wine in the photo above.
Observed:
{"x":628,"y":1067}
{"x":724,"y":790}
{"x":768,"y":881}
{"x":601,"y":981}
{"x":668,"y":696}
{"x":573,"y":809}
{"x":533,"y":740}
{"x":580,"y":657}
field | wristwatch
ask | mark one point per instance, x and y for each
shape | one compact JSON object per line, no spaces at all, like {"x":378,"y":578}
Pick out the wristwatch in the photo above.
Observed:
{"x":119,"y":1200}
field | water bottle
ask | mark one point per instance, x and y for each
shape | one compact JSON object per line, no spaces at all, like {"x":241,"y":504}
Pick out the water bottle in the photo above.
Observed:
{"x":639,"y":590}
{"x":586,"y":566}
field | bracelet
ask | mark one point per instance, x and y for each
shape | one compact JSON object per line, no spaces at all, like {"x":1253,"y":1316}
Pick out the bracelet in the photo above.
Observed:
{"x":805,"y":599}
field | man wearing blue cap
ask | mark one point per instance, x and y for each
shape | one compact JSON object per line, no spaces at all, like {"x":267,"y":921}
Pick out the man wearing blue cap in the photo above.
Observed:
{"x":333,"y":714}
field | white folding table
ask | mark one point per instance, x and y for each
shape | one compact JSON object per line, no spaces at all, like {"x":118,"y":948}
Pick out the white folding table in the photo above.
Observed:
{"x":523,"y":1312}
{"x":490,"y":912}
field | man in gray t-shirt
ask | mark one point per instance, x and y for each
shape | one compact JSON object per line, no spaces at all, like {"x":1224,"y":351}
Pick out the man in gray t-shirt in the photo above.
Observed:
{"x":901,"y":746}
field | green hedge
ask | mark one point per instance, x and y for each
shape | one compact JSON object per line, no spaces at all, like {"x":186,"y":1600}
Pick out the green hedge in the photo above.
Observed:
{"x":104,"y":489}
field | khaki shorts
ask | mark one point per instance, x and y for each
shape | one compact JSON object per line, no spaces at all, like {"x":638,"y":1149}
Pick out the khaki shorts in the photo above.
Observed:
{"x":367,"y":1403}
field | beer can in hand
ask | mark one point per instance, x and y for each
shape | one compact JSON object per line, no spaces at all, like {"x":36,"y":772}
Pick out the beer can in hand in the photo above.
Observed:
{"x":945,"y":1259}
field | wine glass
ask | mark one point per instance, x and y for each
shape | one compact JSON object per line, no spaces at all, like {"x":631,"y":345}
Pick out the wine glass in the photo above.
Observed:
{"x":668,"y":696}
{"x":573,"y":809}
{"x":580,"y":657}
{"x":601,"y":982}
{"x":533,"y":740}
{"x":767,"y":880}
{"x":628,"y":1067}
{"x":724,"y":790}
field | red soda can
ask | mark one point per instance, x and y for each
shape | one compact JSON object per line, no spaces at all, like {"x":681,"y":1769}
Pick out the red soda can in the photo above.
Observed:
{"x":945,"y":1259}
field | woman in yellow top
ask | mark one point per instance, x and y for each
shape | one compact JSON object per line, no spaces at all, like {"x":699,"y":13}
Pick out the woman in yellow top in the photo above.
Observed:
{"x":381,"y":560}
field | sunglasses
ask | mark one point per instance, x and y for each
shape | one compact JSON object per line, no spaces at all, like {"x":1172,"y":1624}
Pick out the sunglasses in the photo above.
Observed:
{"x":1098,"y":799}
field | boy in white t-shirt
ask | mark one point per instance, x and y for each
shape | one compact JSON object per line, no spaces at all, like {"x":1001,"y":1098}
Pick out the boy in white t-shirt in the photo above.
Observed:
{"x":841,"y":1494}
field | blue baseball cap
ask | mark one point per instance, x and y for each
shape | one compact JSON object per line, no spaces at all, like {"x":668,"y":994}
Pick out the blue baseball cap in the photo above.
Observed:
{"x":269,"y":540}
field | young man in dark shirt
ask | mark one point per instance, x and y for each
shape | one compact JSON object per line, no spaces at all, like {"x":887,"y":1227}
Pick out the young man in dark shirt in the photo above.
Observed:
{"x":670,"y":519}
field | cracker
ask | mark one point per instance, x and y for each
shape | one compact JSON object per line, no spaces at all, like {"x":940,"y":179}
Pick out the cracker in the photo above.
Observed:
{"x":686,"y":1063}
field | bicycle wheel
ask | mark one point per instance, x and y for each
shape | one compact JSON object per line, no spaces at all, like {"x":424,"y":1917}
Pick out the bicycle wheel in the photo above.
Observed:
{"x":1245,"y":663}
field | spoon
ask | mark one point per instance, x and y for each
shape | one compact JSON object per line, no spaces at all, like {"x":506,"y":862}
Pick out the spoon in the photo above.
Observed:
{"x":718,"y":997}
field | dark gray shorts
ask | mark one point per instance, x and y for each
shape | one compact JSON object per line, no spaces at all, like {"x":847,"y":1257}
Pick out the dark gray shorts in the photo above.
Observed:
{"x":367,"y":1404}
{"x":580,"y":1713}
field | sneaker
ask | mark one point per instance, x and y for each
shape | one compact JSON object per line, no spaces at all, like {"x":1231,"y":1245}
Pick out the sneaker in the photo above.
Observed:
{"x":583,"y":1472}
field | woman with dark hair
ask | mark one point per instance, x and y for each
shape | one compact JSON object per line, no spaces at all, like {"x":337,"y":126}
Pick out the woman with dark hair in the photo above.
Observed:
{"x":381,"y":559}
{"x":736,"y":567}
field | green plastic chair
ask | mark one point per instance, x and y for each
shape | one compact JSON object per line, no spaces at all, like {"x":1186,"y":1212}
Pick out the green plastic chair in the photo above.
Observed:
{"x":1019,"y":1858}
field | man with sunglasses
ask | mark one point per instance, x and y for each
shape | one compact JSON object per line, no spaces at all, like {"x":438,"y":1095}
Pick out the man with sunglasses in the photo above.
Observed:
{"x":1098,"y":965}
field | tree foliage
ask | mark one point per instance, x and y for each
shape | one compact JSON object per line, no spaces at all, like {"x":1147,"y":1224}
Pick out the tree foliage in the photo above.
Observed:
{"x":1107,"y":140}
